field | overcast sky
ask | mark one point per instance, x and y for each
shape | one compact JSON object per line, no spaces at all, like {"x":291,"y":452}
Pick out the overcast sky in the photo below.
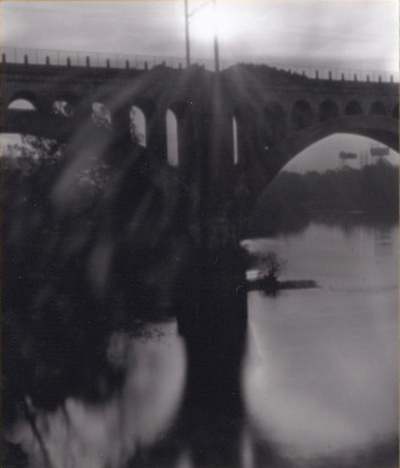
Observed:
{"x":351,"y":33}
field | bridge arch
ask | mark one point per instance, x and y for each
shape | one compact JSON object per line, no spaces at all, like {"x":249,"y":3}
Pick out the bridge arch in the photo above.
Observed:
{"x":62,"y":107}
{"x":302,"y":115}
{"x":353,"y":108}
{"x":143,"y":114}
{"x":171,"y":122}
{"x":138,"y":124}
{"x":185,"y":132}
{"x":239,"y":133}
{"x":247,"y":126}
{"x":383,"y":129}
{"x":274,"y":123}
{"x":26,"y":114}
{"x":235,"y":143}
{"x":101,"y":115}
{"x":328,"y":110}
{"x":22,"y":105}
{"x":377,"y":108}
{"x":23,"y":100}
{"x":65,"y":104}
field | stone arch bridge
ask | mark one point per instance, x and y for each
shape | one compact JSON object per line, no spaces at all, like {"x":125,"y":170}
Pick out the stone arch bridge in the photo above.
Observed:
{"x":233,"y":129}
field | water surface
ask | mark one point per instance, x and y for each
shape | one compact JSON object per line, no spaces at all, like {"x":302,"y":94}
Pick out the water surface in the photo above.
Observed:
{"x":319,"y":377}
{"x":321,"y":373}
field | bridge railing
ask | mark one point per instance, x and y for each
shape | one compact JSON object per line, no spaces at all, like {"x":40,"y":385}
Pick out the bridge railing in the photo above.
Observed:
{"x":345,"y":74}
{"x":119,"y":61}
{"x":75,"y":58}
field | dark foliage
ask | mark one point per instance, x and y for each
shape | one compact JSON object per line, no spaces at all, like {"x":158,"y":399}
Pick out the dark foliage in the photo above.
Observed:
{"x":292,"y":199}
{"x":88,"y":247}
{"x":282,"y":207}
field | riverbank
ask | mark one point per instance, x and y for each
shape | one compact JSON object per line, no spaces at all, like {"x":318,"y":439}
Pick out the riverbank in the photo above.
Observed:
{"x":272,"y":286}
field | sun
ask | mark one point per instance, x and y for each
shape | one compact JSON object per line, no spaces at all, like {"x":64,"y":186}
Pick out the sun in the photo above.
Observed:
{"x":213,"y":19}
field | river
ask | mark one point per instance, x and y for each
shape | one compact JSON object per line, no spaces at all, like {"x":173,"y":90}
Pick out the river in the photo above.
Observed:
{"x":321,"y":372}
{"x":319,"y":377}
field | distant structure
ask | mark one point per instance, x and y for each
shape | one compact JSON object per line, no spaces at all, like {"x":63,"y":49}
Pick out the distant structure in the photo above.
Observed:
{"x":379,"y":152}
{"x":344,"y":156}
{"x":364,"y":159}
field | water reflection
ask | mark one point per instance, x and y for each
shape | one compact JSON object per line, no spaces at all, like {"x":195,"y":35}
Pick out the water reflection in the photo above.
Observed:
{"x":123,"y":428}
{"x":319,"y":382}
{"x":321,"y":373}
{"x":308,"y":380}
{"x":384,"y":245}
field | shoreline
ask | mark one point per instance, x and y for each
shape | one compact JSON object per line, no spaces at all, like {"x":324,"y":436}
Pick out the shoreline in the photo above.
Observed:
{"x":273,"y":286}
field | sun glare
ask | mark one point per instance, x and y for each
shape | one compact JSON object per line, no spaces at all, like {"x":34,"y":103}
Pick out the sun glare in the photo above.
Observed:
{"x":210,"y":20}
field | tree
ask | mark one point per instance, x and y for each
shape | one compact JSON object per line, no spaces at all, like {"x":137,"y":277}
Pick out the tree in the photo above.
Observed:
{"x":271,"y":266}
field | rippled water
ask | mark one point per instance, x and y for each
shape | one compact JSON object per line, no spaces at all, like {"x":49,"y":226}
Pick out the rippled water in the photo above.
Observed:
{"x":319,"y":377}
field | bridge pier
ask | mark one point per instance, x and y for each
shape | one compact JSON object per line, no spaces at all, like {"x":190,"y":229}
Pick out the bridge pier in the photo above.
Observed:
{"x":120,"y":121}
{"x":213,"y":314}
{"x":213,"y":322}
{"x":215,"y":337}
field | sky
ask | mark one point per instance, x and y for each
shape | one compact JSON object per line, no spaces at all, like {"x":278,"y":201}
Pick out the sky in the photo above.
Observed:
{"x":324,"y":154}
{"x":345,"y":34}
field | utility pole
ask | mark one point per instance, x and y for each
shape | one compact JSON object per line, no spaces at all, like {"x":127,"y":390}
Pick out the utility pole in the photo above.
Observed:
{"x":187,"y":38}
{"x":187,"y":34}
{"x":216,"y":45}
